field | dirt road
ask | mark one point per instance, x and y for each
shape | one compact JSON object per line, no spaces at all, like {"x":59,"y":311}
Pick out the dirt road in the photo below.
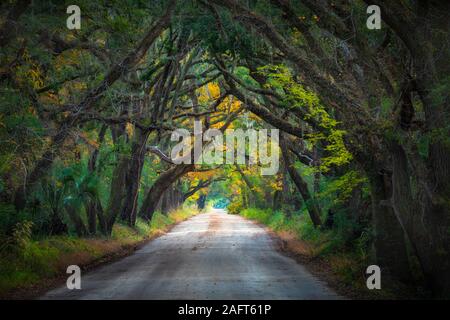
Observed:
{"x":210,"y":256}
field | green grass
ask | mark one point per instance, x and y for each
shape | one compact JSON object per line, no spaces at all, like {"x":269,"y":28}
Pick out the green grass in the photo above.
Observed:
{"x":299,"y":224}
{"x":38,"y":260}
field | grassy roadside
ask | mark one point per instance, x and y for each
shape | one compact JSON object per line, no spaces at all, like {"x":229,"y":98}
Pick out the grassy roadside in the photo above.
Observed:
{"x":325,"y":254}
{"x":39,"y":263}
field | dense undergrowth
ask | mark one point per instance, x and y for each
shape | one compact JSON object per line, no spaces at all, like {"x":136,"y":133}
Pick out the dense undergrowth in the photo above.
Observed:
{"x":26,"y":261}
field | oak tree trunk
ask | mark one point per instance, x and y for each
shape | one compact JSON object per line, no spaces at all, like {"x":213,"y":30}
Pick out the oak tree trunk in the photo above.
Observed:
{"x":310,"y":201}
{"x":162,"y":183}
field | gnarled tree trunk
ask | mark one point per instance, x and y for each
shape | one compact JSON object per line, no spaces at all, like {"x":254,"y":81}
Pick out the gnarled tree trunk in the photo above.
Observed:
{"x":133,"y":178}
{"x":117,"y":193}
{"x":426,"y":228}
{"x":390,"y":245}
{"x":162,"y":183}
{"x":311,"y":203}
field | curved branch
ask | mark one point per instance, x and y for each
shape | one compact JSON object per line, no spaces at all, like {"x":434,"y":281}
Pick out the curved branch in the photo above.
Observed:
{"x":155,"y":150}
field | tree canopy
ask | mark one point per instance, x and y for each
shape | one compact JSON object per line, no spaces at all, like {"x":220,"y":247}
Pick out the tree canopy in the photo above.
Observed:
{"x":86,"y":118}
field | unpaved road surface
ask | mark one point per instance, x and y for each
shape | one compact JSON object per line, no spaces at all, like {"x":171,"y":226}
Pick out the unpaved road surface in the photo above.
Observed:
{"x":210,"y":256}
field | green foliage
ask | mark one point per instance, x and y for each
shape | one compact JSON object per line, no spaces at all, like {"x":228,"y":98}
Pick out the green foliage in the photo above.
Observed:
{"x":235,"y":207}
{"x":295,"y":95}
{"x":260,"y":215}
{"x":8,"y":219}
{"x":346,"y":234}
{"x":160,"y":221}
{"x":235,"y":40}
{"x":423,"y":145}
{"x":20,"y":132}
{"x":17,"y":242}
{"x":298,"y":224}
{"x":340,"y":189}
{"x":33,"y":261}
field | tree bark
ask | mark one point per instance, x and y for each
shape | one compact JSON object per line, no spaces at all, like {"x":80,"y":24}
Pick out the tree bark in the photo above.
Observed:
{"x":9,"y":28}
{"x":253,"y":198}
{"x":389,"y":242}
{"x":426,"y":228}
{"x":133,"y":178}
{"x":92,"y":205}
{"x":310,"y":202}
{"x":80,"y":228}
{"x":162,"y":183}
{"x":201,"y":201}
{"x":117,"y":193}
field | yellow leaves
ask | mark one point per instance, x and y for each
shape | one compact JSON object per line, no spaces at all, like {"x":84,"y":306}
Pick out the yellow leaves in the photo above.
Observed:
{"x":223,"y":107}
{"x":79,"y":85}
{"x":208,"y":92}
{"x":229,"y":104}
{"x":254,"y":117}
{"x":314,"y":17}
{"x":203,"y":97}
{"x":70,"y":37}
{"x":343,"y":186}
{"x":297,"y":37}
{"x":68,"y":58}
{"x":276,"y":185}
{"x":297,"y":96}
{"x":129,"y":128}
{"x":201,"y":175}
{"x":91,"y":142}
{"x":32,"y":110}
{"x":235,"y":105}
{"x":220,"y":124}
{"x":258,"y":189}
{"x":101,"y":42}
{"x":214,"y":90}
{"x":35,"y":77}
{"x":30,"y":72}
{"x":195,"y":196}
{"x":49,"y":98}
{"x":69,"y":88}
{"x":237,"y":186}
{"x":66,"y":114}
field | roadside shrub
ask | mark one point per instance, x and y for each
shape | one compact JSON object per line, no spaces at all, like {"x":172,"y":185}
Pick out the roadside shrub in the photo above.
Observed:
{"x":345,"y":235}
{"x":18,"y":240}
{"x":261,"y":215}
{"x":40,"y":258}
{"x":159,"y":221}
{"x":277,"y":221}
{"x":25,"y":261}
{"x":235,"y":207}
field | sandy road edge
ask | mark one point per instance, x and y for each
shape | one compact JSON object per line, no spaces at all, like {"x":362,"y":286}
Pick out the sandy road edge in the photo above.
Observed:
{"x":321,"y":268}
{"x":317,"y":266}
{"x":35,"y":291}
